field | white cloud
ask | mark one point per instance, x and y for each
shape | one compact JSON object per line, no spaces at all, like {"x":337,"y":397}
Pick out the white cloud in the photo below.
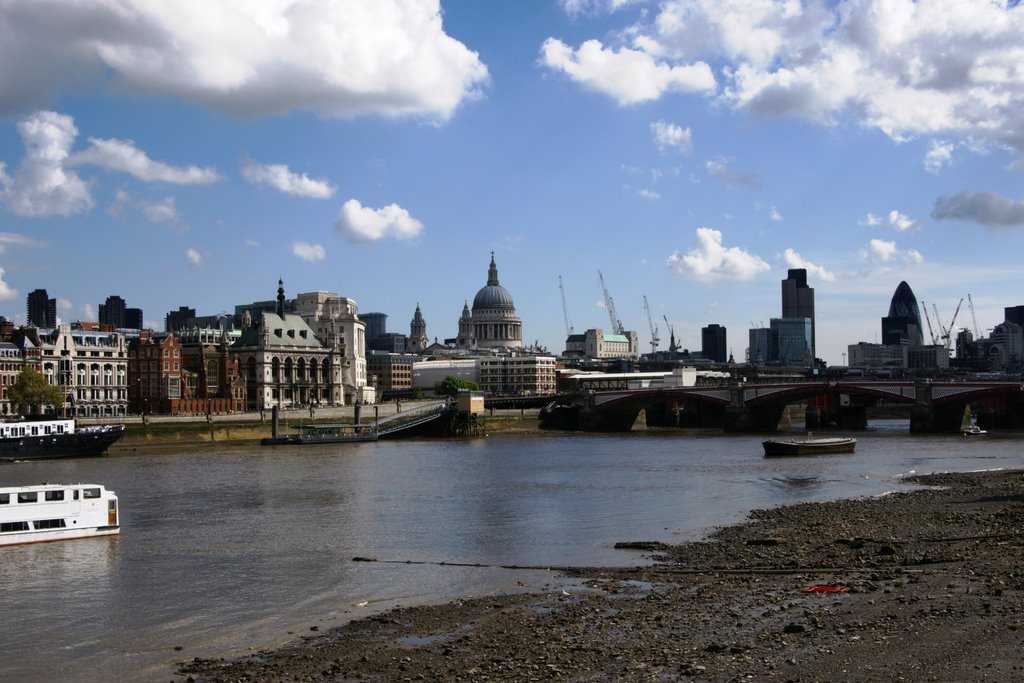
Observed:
{"x":121,"y":199}
{"x":88,"y":312}
{"x":576,"y":7}
{"x":7,"y":293}
{"x":902,"y":222}
{"x":710,"y":261}
{"x":124,"y":156}
{"x":939,"y":154}
{"x":871,"y":220}
{"x":252,"y":243}
{"x":775,"y":215}
{"x":16,"y":240}
{"x":948,"y":68}
{"x":886,"y":252}
{"x":343,"y":59}
{"x":193,"y":257}
{"x":720,"y":170}
{"x":309,"y":252}
{"x":985,"y":208}
{"x":629,"y":76}
{"x":794,"y":260}
{"x":162,"y":211}
{"x":362,"y":224}
{"x":282,"y":179}
{"x":649,"y":194}
{"x":42,"y":186}
{"x":670,"y":136}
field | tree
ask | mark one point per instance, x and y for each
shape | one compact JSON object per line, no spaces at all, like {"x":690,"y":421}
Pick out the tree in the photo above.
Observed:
{"x":32,"y":391}
{"x":450,"y":386}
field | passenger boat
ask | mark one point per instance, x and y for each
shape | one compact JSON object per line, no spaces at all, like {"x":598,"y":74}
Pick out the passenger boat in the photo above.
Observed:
{"x":809,"y":446}
{"x":331,"y":433}
{"x":974,"y":430}
{"x":54,"y":438}
{"x":54,"y":512}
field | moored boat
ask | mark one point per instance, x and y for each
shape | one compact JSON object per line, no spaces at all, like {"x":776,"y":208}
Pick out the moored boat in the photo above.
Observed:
{"x":54,"y":512}
{"x":54,"y":438}
{"x":330,"y":433}
{"x":974,"y":430}
{"x":809,"y":446}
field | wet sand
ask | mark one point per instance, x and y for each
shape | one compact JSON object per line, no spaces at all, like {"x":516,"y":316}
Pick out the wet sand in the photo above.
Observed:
{"x":926,"y":585}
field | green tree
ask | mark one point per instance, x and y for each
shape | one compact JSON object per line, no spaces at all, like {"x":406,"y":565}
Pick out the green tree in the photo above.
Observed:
{"x":32,"y":391}
{"x":450,"y":386}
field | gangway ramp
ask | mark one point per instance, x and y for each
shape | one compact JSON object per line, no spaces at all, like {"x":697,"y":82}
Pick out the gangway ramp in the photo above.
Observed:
{"x":422,"y":419}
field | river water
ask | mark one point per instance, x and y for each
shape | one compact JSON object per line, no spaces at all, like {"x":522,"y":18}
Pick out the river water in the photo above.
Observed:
{"x":225,"y":549}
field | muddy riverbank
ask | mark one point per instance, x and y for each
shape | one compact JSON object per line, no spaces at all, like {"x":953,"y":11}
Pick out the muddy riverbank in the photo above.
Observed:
{"x":917,"y":586}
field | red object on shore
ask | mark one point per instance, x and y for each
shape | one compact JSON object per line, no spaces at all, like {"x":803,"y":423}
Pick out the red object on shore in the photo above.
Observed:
{"x":826,"y":589}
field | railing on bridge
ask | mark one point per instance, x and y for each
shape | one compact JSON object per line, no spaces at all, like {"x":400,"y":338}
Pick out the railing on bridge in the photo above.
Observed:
{"x":413,"y":418}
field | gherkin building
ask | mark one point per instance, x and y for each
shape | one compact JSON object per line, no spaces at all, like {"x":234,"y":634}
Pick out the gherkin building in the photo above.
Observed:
{"x":903,"y":324}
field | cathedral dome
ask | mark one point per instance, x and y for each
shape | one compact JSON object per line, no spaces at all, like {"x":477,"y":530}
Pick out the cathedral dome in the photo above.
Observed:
{"x":493,"y":295}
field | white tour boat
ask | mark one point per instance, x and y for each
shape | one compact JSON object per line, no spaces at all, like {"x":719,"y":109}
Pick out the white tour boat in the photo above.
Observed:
{"x":54,"y":512}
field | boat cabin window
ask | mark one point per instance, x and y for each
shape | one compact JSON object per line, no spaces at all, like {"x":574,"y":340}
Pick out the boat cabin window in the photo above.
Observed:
{"x":75,"y":494}
{"x":90,"y":493}
{"x":53,"y":495}
{"x":49,"y":524}
{"x":13,"y":526}
{"x":5,"y":498}
{"x":28,"y":497}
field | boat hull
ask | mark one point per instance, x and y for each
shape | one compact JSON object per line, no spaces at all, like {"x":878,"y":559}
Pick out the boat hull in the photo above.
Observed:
{"x":82,"y":443}
{"x":49,"y":535}
{"x":789,"y":447}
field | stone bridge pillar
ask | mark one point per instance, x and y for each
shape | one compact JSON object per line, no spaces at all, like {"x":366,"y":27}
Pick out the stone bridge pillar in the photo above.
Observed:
{"x":928,"y":418}
{"x":740,"y":417}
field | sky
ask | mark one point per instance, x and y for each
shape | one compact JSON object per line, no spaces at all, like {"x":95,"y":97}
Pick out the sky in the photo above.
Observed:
{"x":689,"y":151}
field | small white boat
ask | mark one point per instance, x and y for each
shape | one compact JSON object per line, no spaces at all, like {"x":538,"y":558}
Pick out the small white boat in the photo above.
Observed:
{"x":55,"y":512}
{"x":974,"y":430}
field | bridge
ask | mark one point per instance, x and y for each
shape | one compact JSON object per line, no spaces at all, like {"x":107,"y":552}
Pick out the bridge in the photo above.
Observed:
{"x":935,"y":406}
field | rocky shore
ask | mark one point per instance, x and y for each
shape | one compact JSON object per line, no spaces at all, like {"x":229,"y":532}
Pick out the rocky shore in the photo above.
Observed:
{"x":926,"y":585}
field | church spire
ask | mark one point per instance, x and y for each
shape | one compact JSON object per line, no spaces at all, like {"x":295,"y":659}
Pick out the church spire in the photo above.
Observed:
{"x":492,"y":273}
{"x":280,"y":297}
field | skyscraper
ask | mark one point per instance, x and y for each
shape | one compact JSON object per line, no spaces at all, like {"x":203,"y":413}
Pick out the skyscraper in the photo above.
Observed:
{"x":112,"y":312}
{"x":798,"y":301}
{"x":713,"y":343}
{"x":41,"y":309}
{"x":903,"y":324}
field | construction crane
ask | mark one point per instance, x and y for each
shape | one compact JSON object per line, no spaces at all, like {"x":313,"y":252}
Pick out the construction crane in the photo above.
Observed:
{"x":565,"y":309}
{"x":974,"y":319}
{"x":947,"y":331}
{"x":617,"y":327}
{"x":931,"y":332}
{"x":671,"y":336}
{"x":654,"y":328}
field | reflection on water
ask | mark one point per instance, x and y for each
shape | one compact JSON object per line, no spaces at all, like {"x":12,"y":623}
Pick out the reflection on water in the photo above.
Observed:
{"x":220,"y":550}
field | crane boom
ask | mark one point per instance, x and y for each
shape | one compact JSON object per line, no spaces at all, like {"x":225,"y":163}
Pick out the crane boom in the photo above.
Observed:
{"x":931,"y":332}
{"x":671,"y":335}
{"x":610,"y":305}
{"x":948,"y":331}
{"x":565,"y":309}
{"x":974,"y":319}
{"x":654,"y":328}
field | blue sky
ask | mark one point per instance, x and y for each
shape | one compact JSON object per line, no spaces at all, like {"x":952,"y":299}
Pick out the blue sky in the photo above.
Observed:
{"x":190,"y":154}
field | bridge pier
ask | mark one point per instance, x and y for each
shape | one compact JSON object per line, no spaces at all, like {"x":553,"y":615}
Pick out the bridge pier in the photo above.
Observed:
{"x":767,"y":418}
{"x":944,"y":418}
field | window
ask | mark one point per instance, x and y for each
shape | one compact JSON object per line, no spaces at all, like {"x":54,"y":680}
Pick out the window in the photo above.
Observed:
{"x":28,"y":497}
{"x":5,"y":498}
{"x":13,"y":526}
{"x":90,"y":493}
{"x":53,"y":495}
{"x":49,"y":524}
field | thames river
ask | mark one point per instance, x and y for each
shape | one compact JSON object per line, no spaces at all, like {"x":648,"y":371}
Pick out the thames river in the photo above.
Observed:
{"x":223,"y":550}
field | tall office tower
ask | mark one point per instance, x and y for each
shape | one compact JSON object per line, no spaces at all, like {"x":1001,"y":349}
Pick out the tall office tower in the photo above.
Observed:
{"x":712,"y":343}
{"x":42,"y":310}
{"x":112,"y":312}
{"x":759,"y":350}
{"x":133,"y":318}
{"x":903,"y":324}
{"x":1014,"y":314}
{"x":376,"y":325}
{"x":176,"y":321}
{"x":798,"y":300}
